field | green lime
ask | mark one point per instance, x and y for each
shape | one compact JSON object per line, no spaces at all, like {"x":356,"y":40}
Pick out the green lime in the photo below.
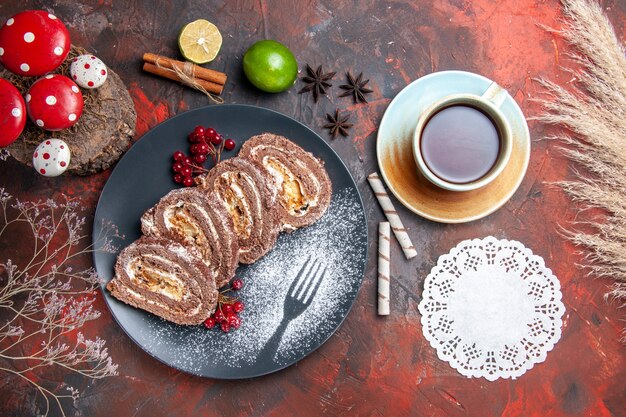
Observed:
{"x":200,"y":41}
{"x":270,"y":66}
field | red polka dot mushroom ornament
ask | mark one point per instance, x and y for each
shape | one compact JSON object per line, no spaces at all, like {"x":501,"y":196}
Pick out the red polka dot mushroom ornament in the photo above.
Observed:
{"x":33,"y":43}
{"x":88,"y":71}
{"x":51,"y":158}
{"x":54,"y":102}
{"x":12,"y":113}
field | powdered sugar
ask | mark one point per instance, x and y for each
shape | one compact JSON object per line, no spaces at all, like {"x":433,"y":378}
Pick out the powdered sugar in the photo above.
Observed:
{"x":338,"y":240}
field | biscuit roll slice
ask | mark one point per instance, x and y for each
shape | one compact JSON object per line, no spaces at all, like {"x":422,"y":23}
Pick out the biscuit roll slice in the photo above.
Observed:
{"x":200,"y":220}
{"x":250,"y":201}
{"x":304,"y":188}
{"x":165,"y":278}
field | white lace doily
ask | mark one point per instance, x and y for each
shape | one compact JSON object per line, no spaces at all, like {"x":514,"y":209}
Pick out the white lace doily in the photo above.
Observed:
{"x":491,"y":308}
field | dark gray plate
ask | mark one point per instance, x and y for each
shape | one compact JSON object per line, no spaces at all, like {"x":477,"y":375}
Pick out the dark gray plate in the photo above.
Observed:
{"x":339,"y":240}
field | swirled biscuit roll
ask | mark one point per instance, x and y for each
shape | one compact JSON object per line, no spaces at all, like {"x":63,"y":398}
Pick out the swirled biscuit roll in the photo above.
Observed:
{"x":165,"y":278}
{"x":304,"y":188}
{"x":250,"y":200}
{"x":196,"y":219}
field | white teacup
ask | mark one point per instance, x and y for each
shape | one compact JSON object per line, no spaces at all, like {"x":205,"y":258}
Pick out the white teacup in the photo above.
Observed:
{"x":489,"y":105}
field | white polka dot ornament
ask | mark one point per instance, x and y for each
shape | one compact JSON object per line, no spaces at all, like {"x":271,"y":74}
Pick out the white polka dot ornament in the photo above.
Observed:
{"x":12,"y":113}
{"x":33,"y":43}
{"x":54,"y":102}
{"x":88,"y":71}
{"x":52,"y":157}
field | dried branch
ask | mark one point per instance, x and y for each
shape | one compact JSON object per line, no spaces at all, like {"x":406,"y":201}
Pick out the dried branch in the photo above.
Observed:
{"x":46,"y":302}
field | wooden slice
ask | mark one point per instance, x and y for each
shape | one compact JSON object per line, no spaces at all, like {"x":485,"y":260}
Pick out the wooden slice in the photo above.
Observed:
{"x":101,"y":135}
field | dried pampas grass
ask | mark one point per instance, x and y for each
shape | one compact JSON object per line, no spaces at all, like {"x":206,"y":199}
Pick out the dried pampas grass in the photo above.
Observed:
{"x":593,"y":114}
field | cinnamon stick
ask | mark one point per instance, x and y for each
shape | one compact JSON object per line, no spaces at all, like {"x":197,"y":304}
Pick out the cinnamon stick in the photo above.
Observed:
{"x":194,"y":71}
{"x":209,"y":86}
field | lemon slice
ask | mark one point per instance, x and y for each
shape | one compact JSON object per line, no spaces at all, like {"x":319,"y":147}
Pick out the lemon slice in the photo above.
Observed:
{"x":200,"y":41}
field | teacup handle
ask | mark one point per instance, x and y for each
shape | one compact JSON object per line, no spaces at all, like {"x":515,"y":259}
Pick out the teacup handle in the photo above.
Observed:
{"x":495,"y":94}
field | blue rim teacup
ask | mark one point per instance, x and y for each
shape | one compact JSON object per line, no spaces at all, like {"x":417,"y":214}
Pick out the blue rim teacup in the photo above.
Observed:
{"x":489,"y":103}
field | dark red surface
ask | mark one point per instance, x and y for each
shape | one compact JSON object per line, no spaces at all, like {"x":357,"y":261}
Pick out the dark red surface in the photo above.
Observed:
{"x":372,"y":366}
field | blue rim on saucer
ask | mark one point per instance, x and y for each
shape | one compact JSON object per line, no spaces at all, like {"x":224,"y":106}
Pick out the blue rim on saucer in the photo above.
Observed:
{"x":394,"y":151}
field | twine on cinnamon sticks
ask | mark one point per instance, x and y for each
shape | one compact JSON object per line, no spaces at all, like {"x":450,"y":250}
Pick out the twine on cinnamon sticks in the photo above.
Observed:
{"x":208,"y":81}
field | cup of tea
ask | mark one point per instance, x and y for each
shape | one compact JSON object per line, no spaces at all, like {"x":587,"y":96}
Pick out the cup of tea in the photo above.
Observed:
{"x":463,"y":141}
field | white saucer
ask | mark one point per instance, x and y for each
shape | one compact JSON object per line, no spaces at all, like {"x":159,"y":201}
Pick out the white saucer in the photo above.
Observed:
{"x":395,"y":153}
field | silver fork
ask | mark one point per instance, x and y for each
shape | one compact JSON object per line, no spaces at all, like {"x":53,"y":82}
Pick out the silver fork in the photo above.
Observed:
{"x":299,"y":297}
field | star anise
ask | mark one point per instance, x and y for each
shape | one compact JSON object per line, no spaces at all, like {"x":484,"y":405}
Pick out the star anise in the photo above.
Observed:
{"x":316,"y":81}
{"x":338,"y":124}
{"x":355,"y":88}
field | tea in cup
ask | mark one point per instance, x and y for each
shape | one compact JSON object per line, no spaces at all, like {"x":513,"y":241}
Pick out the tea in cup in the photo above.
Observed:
{"x":463,"y":141}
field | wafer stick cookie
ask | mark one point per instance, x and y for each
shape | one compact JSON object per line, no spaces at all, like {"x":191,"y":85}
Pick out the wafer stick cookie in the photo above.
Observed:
{"x":383,"y":268}
{"x":392,"y":216}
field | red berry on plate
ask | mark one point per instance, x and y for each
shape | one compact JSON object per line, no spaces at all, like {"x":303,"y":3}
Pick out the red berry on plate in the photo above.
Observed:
{"x":203,"y":148}
{"x":225,"y":327}
{"x":234,"y":321}
{"x":237,"y":284}
{"x":177,"y":167}
{"x":217,"y":139}
{"x":178,"y":179}
{"x":199,"y":159}
{"x":209,"y":133}
{"x":188,"y":181}
{"x":195,"y":138}
{"x":178,"y":156}
{"x":210,"y":322}
{"x":229,"y":145}
{"x":186,"y":171}
{"x":187,"y":161}
{"x":238,"y":306}
{"x":228,"y":309}
{"x":219,"y":316}
{"x":199,"y":131}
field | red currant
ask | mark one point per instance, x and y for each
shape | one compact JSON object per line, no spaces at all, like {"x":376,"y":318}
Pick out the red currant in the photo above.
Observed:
{"x":186,"y":161}
{"x":210,"y":322}
{"x":193,"y":138}
{"x":178,"y":179}
{"x":209,"y":133}
{"x":199,"y":131}
{"x":234,"y":321}
{"x":194,"y":149}
{"x":187,"y":181}
{"x":199,"y":159}
{"x":177,"y":167}
{"x":237,"y":284}
{"x":203,"y":148}
{"x":186,"y":171}
{"x":225,"y":327}
{"x":228,"y":309}
{"x":229,"y":145}
{"x":219,"y":316}
{"x":238,"y":306}
{"x":217,"y":139}
{"x":178,"y":156}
